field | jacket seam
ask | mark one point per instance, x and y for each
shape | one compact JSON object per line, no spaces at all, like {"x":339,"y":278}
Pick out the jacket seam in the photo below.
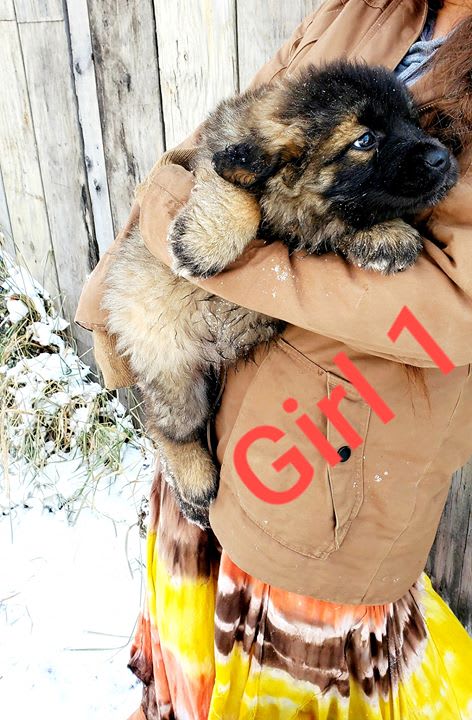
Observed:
{"x":327,"y":549}
{"x":174,"y":197}
{"x":300,"y":47}
{"x":356,"y":508}
{"x":376,"y":25}
{"x":322,"y":555}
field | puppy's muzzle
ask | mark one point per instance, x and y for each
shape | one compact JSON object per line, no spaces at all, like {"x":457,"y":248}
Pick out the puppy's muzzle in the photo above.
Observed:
{"x":437,"y":158}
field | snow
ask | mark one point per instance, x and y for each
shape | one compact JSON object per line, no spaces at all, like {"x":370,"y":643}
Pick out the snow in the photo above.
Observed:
{"x":67,"y":610}
{"x":16,"y":310}
{"x":281,"y":274}
{"x":71,"y":546}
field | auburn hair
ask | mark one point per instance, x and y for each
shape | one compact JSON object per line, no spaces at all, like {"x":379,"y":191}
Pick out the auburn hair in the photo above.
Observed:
{"x":449,"y":115}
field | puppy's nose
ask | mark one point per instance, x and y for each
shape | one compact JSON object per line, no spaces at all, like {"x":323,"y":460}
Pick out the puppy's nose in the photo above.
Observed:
{"x":438,"y":158}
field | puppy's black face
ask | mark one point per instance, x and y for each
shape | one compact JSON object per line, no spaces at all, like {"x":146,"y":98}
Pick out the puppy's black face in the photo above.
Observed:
{"x":347,"y":135}
{"x":382,"y":164}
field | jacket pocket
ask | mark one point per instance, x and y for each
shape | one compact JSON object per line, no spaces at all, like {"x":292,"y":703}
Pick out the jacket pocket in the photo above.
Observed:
{"x":273,"y":461}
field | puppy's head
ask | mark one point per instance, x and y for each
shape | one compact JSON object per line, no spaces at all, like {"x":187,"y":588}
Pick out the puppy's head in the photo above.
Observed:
{"x":348,"y":137}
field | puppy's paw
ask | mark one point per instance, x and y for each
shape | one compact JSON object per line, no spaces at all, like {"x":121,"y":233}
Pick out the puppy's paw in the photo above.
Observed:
{"x":194,"y":478}
{"x":198,"y":515}
{"x":214,"y":228}
{"x":189,"y":258}
{"x":194,"y":495}
{"x":244,"y":164}
{"x":389,"y":247}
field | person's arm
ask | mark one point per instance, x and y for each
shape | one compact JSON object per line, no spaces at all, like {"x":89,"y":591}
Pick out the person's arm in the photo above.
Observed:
{"x":328,"y":296}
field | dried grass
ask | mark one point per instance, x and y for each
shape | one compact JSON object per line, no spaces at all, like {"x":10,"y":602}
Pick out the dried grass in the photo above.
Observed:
{"x":51,"y":406}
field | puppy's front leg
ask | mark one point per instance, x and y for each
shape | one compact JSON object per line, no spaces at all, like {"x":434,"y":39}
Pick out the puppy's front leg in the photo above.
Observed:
{"x":190,"y":471}
{"x":388,"y":247}
{"x":215,"y":226}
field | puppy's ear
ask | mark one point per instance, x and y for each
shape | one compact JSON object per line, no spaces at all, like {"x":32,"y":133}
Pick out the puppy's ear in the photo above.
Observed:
{"x":293,"y":170}
{"x":246,"y":164}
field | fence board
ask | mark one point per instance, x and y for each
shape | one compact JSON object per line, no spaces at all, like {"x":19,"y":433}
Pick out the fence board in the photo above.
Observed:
{"x":7,"y":11}
{"x":5,"y":226}
{"x":123,"y":41}
{"x":197,"y":60}
{"x":450,"y":561}
{"x":263,"y":27}
{"x":20,"y":167}
{"x":39,"y":10}
{"x":57,"y":130}
{"x":89,"y":117}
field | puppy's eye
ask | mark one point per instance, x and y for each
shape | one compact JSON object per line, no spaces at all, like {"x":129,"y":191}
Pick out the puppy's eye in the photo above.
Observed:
{"x":367,"y":141}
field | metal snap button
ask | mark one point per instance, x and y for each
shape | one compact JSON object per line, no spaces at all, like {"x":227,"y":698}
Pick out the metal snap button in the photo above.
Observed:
{"x":345,"y":453}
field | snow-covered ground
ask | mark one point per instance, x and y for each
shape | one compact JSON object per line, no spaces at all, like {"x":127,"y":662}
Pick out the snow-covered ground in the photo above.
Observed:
{"x":74,"y":475}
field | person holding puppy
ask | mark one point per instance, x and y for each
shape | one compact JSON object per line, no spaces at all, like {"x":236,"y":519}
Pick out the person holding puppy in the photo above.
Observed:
{"x":319,"y":608}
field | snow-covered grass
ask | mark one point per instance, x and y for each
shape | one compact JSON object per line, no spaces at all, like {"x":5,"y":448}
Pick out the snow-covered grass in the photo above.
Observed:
{"x":74,"y":477}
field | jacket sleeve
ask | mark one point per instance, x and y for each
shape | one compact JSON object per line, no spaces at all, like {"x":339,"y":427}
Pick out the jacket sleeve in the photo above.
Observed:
{"x":328,"y":296}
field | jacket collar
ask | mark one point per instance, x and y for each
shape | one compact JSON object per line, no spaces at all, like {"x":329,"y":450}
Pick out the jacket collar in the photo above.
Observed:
{"x":378,"y":32}
{"x":392,"y":32}
{"x":392,"y":35}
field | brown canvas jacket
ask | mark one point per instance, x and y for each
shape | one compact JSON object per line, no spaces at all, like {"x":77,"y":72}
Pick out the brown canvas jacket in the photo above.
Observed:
{"x":362,"y":530}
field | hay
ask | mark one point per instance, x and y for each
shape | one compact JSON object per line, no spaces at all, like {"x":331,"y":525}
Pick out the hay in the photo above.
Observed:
{"x":63,"y":437}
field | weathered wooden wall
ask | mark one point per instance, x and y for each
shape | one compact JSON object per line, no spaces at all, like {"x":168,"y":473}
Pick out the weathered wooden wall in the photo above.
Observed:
{"x":93,"y":92}
{"x":450,"y":560}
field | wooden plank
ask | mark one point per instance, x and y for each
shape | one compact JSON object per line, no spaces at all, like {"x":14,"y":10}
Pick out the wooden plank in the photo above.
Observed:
{"x":89,"y":118}
{"x":38,"y":10}
{"x":6,"y":235}
{"x":57,"y":130}
{"x":450,"y":561}
{"x":20,"y":166}
{"x":124,"y":48}
{"x":263,"y":27}
{"x":197,"y":60}
{"x":7,"y":11}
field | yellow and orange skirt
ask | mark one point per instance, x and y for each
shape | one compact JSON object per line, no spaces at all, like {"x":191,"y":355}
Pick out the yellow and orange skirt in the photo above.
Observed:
{"x":216,"y":643}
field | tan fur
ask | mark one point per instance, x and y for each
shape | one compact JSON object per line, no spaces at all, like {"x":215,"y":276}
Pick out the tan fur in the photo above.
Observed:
{"x":278,"y":136}
{"x":172,"y":331}
{"x":346,"y":132}
{"x":387,"y":247}
{"x":221,"y":220}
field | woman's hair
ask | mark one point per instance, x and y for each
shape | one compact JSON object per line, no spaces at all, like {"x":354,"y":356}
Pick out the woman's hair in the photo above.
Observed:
{"x":450,"y":117}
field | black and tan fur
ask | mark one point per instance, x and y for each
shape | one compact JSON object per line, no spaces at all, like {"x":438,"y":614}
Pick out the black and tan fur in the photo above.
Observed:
{"x":283,"y":160}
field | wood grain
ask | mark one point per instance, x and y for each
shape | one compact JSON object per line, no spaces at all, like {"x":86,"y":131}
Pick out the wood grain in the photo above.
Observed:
{"x":197,"y":61}
{"x":20,"y":165}
{"x":6,"y":239}
{"x":450,"y":561}
{"x":39,"y":10}
{"x":124,"y":48}
{"x":89,"y":118}
{"x":7,"y":10}
{"x":59,"y":145}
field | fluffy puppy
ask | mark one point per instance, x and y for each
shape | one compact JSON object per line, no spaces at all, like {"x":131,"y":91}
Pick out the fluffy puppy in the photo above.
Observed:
{"x":331,"y":159}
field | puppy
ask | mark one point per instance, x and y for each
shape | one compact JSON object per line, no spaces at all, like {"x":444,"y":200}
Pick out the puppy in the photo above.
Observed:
{"x":331,"y":159}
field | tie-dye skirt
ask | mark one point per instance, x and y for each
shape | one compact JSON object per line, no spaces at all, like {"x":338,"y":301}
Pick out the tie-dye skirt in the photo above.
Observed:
{"x":214,"y":642}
